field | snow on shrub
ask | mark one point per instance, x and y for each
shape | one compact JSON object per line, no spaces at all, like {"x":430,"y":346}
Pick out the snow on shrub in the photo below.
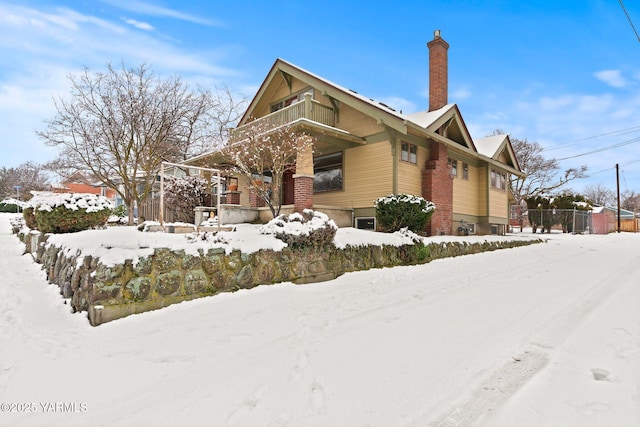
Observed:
{"x":67,"y":212}
{"x":307,"y":229}
{"x":397,"y":211}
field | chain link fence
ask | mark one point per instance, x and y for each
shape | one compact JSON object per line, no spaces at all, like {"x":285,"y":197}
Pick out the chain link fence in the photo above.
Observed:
{"x":545,"y":220}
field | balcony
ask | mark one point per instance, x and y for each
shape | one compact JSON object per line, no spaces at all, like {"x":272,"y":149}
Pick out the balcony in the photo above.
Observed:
{"x":308,"y":109}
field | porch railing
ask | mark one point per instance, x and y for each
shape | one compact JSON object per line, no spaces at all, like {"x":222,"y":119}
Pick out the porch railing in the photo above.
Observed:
{"x":306,"y":109}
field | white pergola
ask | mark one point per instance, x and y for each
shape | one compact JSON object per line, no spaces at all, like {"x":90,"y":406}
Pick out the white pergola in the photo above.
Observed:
{"x":183,"y":166}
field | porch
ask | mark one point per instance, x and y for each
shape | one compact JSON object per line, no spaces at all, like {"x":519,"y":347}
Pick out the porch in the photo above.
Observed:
{"x":308,"y":109}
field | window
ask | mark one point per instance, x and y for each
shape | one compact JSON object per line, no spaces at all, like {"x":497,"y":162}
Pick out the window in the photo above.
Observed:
{"x":498,"y":180}
{"x":409,"y":153}
{"x":465,"y":170}
{"x":328,"y":172}
{"x":292,"y":99}
{"x":452,"y":164}
{"x":366,"y":223}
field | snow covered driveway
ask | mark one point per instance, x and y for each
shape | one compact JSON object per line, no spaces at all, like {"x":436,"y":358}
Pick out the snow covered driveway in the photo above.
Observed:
{"x":544,"y":335}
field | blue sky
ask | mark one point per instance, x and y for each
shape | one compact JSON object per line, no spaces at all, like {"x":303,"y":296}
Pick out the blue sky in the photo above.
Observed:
{"x":565,"y":74}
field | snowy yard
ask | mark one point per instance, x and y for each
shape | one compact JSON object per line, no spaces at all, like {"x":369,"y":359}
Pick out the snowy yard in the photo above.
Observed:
{"x":543,"y":335}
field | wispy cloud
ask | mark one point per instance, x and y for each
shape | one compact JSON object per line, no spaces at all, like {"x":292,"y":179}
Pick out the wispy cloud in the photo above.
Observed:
{"x":460,"y":94}
{"x":611,"y":77}
{"x":140,"y":25}
{"x":41,"y":46}
{"x":65,"y":36}
{"x":145,"y":8}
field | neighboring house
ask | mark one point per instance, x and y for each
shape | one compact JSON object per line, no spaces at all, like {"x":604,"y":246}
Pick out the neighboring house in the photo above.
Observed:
{"x":366,"y":149}
{"x":79,"y":183}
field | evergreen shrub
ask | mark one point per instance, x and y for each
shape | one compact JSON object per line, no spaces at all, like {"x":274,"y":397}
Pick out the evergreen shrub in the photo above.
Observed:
{"x":302,"y":230}
{"x":68,"y":212}
{"x":9,"y":207}
{"x":398,"y":211}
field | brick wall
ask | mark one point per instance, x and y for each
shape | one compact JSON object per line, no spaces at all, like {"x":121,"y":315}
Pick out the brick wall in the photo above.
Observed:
{"x":437,"y":186}
{"x":233,"y":197}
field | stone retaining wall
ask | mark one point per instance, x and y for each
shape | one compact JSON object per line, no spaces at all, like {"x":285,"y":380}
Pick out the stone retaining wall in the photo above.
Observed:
{"x":167,"y":277}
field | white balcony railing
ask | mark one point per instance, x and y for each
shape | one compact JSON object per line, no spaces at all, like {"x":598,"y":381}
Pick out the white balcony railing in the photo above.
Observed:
{"x":306,"y":109}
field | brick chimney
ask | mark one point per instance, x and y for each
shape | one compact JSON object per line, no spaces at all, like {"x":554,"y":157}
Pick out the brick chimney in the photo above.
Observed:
{"x":438,"y":80}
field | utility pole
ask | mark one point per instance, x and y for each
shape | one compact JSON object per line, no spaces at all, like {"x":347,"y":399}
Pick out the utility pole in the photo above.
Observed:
{"x":618,"y":192}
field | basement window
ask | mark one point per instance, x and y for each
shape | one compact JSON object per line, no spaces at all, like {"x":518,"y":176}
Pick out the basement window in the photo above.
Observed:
{"x":366,"y":223}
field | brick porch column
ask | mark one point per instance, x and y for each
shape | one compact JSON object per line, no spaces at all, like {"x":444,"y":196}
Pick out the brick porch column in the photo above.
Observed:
{"x":254,"y":200}
{"x":437,"y":186}
{"x":303,"y":178}
{"x":302,"y":192}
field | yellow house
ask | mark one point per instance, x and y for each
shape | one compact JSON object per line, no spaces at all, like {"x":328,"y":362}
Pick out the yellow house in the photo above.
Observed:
{"x":365,"y":149}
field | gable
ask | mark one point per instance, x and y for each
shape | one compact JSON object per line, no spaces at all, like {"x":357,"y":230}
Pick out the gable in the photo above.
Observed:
{"x":285,"y":79}
{"x":455,"y":132}
{"x":498,"y":148}
{"x":446,"y":122}
{"x":281,"y":91}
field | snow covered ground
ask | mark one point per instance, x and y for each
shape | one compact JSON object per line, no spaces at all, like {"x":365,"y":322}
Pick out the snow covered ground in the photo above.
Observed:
{"x":544,"y":335}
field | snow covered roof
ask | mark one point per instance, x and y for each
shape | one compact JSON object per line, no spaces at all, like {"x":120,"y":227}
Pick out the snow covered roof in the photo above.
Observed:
{"x":380,"y":105}
{"x":624,"y":213}
{"x":427,"y":118}
{"x":489,"y":145}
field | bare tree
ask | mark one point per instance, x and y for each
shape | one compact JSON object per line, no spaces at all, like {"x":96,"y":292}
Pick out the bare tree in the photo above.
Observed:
{"x":541,"y":173}
{"x":61,"y":169}
{"x":630,"y":200}
{"x":224,"y":111}
{"x":120,"y":125}
{"x":599,"y":195}
{"x":262,"y":153}
{"x":19,"y":181}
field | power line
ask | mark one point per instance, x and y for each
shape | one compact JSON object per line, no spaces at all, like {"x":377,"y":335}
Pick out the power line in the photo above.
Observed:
{"x":608,"y":147}
{"x":575,"y":141}
{"x":613,"y":167}
{"x":630,"y":22}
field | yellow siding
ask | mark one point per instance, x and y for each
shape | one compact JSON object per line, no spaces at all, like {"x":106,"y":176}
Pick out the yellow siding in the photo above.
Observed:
{"x":283,"y":90}
{"x":466,"y":192}
{"x":409,"y":174}
{"x":367,"y":174}
{"x":482,"y":190}
{"x":498,"y":204}
{"x":357,"y":123}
